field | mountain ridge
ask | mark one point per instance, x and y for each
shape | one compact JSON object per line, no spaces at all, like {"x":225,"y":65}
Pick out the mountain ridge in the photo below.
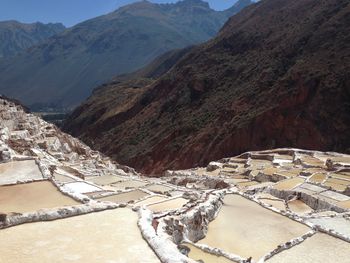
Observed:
{"x":16,"y":36}
{"x":275,"y":76}
{"x":65,"y":68}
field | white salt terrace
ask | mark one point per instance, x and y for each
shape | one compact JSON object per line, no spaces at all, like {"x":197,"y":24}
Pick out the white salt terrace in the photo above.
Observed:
{"x":339,"y":224}
{"x":318,"y":248}
{"x":128,"y":184}
{"x":151,"y":200}
{"x":244,"y":228}
{"x":82,"y":187}
{"x":12,"y":172}
{"x":97,"y":229}
{"x":106,"y":179}
{"x":198,"y":254}
{"x":157,"y":188}
{"x":109,"y":236}
{"x":124,"y":197}
{"x":172,"y":204}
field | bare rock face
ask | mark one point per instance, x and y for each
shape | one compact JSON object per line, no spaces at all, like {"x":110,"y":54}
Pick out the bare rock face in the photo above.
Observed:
{"x":212,"y":166}
{"x":2,"y":217}
{"x":4,"y":155}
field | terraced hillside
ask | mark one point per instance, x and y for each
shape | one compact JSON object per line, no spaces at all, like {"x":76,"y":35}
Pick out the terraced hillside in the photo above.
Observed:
{"x":282,"y":205}
{"x":277,"y":75}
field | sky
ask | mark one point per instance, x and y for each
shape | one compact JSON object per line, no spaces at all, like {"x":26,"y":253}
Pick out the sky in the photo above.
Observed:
{"x":71,"y":12}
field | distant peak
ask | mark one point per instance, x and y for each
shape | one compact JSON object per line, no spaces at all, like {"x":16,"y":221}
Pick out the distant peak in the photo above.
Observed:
{"x":193,"y":3}
{"x":243,"y":3}
{"x":238,"y":6}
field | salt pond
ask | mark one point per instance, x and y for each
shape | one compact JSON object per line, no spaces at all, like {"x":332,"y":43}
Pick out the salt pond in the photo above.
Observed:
{"x":247,"y":229}
{"x":320,"y":248}
{"x":168,"y":205}
{"x":12,"y":172}
{"x":125,"y":197}
{"x":198,"y":254}
{"x":109,"y":236}
{"x":30,"y":197}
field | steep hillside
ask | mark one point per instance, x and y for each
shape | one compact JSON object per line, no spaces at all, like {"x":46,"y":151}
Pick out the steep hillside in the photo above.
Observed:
{"x":16,"y":37}
{"x":120,"y":95}
{"x":277,"y":75}
{"x":64,"y":70}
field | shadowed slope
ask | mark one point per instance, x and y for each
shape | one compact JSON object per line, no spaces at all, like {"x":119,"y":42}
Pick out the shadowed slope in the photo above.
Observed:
{"x":276,"y":75}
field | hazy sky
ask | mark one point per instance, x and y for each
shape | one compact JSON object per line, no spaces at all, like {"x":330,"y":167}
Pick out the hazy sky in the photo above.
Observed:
{"x":70,"y":12}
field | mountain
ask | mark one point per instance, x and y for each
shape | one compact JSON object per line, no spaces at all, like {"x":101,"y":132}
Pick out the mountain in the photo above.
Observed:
{"x":276,"y":75}
{"x":63,"y":70}
{"x":16,"y":37}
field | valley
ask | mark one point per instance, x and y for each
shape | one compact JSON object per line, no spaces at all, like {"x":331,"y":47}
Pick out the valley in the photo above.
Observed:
{"x":175,"y":132}
{"x":276,"y":75}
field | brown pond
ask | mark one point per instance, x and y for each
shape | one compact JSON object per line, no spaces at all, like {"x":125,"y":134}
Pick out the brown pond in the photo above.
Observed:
{"x":31,"y":197}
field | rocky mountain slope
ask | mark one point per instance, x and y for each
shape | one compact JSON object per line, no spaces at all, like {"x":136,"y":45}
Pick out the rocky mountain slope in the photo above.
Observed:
{"x":16,"y":37}
{"x":63,"y":71}
{"x":276,"y":75}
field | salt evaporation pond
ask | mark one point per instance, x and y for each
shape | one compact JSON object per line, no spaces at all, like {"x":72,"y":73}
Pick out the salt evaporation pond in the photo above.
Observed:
{"x":172,"y":204}
{"x":105,"y":179}
{"x":128,"y":184}
{"x":157,"y":188}
{"x":12,"y":172}
{"x":318,"y":248}
{"x":109,"y":236}
{"x":124,"y":197}
{"x":299,"y":207}
{"x":151,"y":200}
{"x":30,"y":197}
{"x":198,"y":254}
{"x":247,"y":229}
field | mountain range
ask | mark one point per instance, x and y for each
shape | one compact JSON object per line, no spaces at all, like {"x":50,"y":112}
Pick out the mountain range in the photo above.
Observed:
{"x":16,"y":37}
{"x":276,"y":75}
{"x":63,"y":70}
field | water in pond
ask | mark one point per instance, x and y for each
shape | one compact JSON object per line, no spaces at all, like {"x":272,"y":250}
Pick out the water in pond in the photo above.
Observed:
{"x":168,"y":205}
{"x":319,"y":248}
{"x":299,"y":207}
{"x":289,"y":183}
{"x":198,"y":254}
{"x":125,"y":197}
{"x":318,"y":178}
{"x":337,"y":184}
{"x":279,"y":204}
{"x":105,"y":179}
{"x":31,"y":197}
{"x":128,"y":184}
{"x":109,"y":236}
{"x":247,"y":229}
{"x":157,"y":188}
{"x":151,"y":200}
{"x":63,"y":178}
